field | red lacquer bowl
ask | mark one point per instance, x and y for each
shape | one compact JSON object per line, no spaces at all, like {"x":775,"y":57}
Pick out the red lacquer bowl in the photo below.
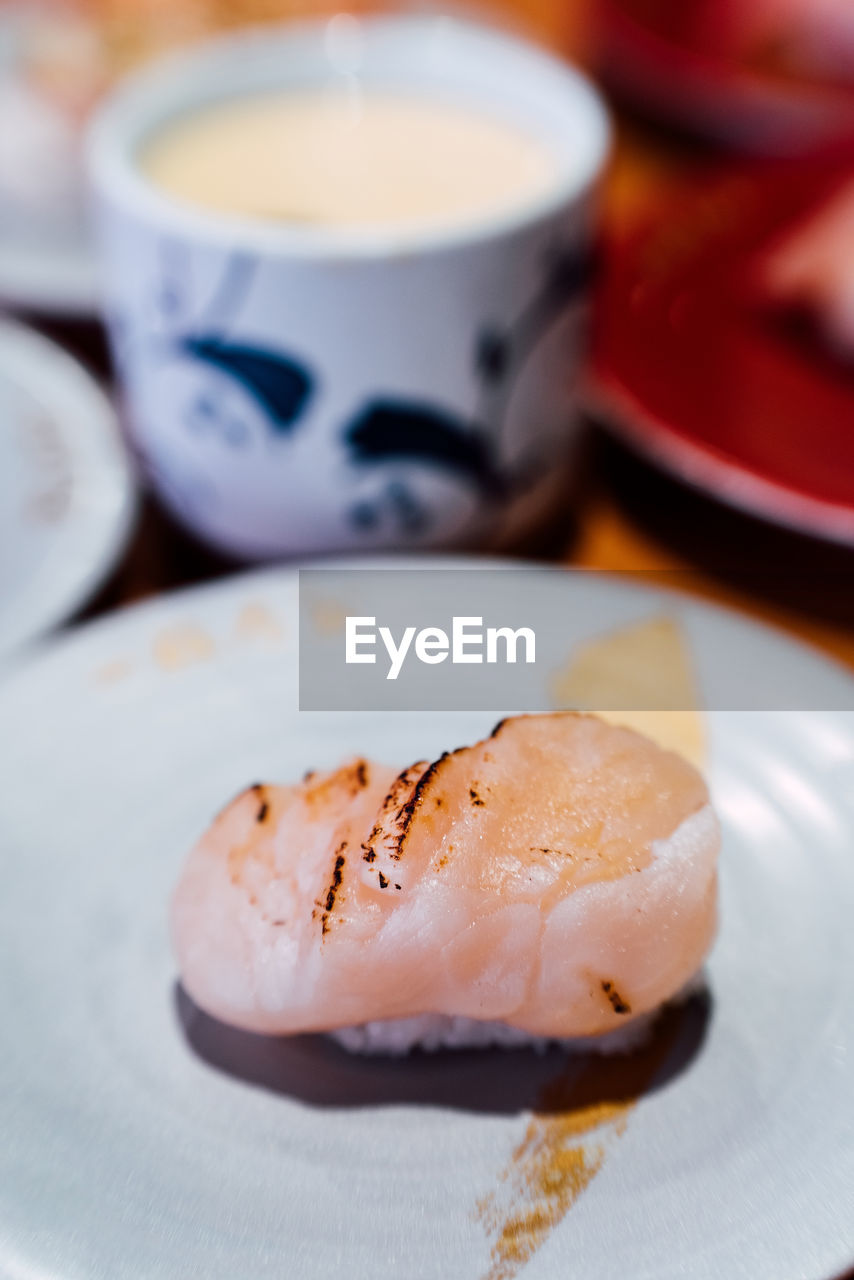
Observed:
{"x":656,"y":53}
{"x":696,"y":369}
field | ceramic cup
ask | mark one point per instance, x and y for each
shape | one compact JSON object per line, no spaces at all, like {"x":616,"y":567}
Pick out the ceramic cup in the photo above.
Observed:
{"x":297,"y":390}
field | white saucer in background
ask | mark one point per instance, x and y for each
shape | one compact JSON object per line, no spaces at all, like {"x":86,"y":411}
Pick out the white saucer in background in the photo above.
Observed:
{"x":67,"y":496}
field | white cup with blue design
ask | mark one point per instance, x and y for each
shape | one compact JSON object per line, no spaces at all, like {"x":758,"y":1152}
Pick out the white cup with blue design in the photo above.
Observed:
{"x":359,"y":349}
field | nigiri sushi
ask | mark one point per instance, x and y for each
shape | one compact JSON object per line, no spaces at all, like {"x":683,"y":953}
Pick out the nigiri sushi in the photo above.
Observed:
{"x":556,"y":880}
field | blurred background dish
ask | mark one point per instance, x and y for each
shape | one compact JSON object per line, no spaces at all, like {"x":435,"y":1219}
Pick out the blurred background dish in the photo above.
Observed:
{"x":50,"y":69}
{"x":771,"y":76}
{"x":67,"y":498}
{"x":724,"y":340}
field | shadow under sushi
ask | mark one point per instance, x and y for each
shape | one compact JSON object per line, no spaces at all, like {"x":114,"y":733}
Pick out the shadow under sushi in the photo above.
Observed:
{"x":314,"y":1070}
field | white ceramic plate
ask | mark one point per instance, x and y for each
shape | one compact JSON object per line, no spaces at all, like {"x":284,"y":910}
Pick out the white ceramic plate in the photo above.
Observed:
{"x":67,"y":498}
{"x":142,"y":1140}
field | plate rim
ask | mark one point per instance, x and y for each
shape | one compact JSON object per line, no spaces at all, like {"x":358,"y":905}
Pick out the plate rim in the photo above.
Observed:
{"x":50,"y":644}
{"x":711,"y":471}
